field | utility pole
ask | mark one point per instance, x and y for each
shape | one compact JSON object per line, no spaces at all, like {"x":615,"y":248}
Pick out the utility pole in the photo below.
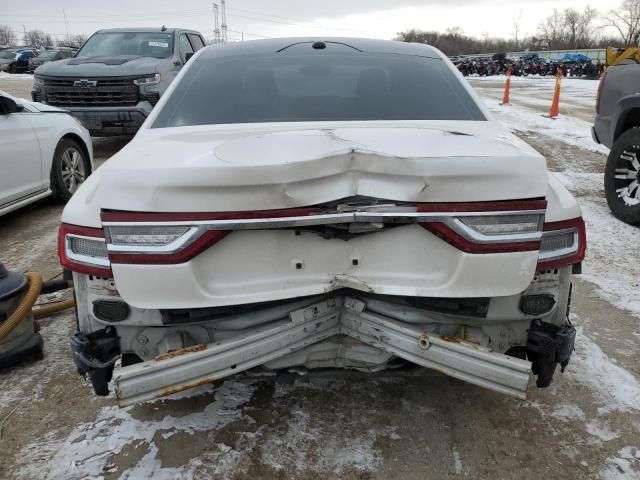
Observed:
{"x":24,"y":38}
{"x":216,"y":25}
{"x":66,"y":26}
{"x":224,"y":21}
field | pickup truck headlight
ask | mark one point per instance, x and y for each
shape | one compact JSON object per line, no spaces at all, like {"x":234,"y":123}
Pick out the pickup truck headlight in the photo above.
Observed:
{"x":38,"y":83}
{"x":149,"y":80}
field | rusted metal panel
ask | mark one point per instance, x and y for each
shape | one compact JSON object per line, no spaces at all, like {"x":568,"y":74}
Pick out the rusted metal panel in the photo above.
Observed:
{"x":174,"y":373}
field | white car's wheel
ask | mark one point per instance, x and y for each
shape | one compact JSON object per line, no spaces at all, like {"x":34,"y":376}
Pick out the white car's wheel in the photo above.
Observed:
{"x":69,"y":169}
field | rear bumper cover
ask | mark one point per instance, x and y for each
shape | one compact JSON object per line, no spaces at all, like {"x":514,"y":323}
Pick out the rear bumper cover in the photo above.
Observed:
{"x":201,"y":364}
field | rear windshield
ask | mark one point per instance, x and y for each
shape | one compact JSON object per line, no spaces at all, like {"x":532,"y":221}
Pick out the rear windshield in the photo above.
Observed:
{"x":296,"y":87}
{"x":112,"y":44}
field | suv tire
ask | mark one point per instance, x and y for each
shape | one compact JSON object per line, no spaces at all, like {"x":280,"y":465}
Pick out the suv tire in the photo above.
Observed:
{"x":623,"y":172}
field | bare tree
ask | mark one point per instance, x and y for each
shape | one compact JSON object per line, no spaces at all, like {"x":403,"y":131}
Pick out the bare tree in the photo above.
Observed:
{"x":7,"y":35}
{"x":38,"y":39}
{"x":516,"y":21}
{"x":572,"y":20}
{"x":76,"y":41}
{"x":626,"y":21}
{"x":551,"y":30}
{"x":454,"y":31}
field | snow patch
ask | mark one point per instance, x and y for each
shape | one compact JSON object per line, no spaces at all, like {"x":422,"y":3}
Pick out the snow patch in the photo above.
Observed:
{"x":457,"y":463}
{"x":569,"y":130}
{"x":86,"y":452}
{"x":16,"y":76}
{"x":568,"y":412}
{"x":617,"y":388}
{"x":601,"y":431}
{"x":625,"y":466}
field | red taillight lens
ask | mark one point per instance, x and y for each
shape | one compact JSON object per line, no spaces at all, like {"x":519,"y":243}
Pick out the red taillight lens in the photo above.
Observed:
{"x":489,"y":227}
{"x":84,"y":250}
{"x":563,"y":243}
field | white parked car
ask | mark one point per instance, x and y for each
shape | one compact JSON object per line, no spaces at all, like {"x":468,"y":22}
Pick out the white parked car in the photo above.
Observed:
{"x":44,"y":151}
{"x":298,"y":203}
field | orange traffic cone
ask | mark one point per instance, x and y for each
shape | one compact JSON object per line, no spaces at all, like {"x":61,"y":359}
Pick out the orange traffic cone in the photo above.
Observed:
{"x":507,"y":89}
{"x":555,"y":105}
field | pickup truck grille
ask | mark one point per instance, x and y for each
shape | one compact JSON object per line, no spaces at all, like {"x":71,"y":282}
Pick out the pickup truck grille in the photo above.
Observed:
{"x":106,"y":92}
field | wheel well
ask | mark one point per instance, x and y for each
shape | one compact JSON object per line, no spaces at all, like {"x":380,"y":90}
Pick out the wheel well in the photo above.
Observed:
{"x":630,"y":119}
{"x":85,"y":150}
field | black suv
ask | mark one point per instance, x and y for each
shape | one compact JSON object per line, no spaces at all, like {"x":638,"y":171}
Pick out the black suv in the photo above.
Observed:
{"x":50,"y":55}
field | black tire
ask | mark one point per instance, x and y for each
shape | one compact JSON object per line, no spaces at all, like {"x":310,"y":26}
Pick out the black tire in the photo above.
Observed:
{"x":12,"y":68}
{"x":62,"y":187}
{"x":625,"y":155}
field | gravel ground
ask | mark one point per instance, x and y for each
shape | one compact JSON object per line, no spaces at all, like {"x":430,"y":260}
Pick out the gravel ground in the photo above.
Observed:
{"x":347,"y":425}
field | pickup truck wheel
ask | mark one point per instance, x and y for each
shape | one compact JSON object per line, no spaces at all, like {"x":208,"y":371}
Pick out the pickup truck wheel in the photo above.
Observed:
{"x":622,"y":177}
{"x":69,"y":169}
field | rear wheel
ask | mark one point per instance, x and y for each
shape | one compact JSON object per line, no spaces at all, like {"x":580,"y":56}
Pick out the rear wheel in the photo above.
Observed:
{"x":69,"y":169}
{"x":622,"y":177}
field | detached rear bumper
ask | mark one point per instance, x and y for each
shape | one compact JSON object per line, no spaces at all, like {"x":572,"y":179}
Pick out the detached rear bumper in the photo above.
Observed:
{"x":201,"y":364}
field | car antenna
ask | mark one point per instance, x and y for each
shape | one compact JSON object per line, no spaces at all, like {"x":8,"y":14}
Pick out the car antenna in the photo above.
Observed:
{"x":163,"y":29}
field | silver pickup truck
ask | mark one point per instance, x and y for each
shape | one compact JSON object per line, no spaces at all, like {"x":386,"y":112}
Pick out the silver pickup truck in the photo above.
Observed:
{"x":617,"y":125}
{"x":117,"y":77}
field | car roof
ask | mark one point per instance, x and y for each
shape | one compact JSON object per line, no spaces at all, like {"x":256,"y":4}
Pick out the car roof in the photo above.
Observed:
{"x":145,"y":29}
{"x":273,"y":45}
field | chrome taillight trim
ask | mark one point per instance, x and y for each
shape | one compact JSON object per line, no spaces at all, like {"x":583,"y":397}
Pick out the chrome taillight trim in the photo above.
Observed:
{"x":199,"y":227}
{"x":84,"y":259}
{"x":562,"y":253}
{"x":179,"y":243}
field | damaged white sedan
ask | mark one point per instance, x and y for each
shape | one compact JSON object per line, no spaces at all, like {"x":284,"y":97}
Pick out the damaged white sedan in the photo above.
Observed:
{"x":335,"y":203}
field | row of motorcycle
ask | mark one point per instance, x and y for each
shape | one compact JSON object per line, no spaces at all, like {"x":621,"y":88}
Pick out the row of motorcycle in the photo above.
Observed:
{"x":523,"y":67}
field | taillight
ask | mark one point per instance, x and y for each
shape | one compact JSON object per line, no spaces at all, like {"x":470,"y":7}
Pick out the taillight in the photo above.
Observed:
{"x":84,"y":250}
{"x":563,"y":243}
{"x":170,"y":238}
{"x":599,"y":91}
{"x":490,"y":227}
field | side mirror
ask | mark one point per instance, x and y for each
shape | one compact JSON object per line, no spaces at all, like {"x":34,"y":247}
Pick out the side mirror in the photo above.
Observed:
{"x":8,"y":106}
{"x":187,"y":56}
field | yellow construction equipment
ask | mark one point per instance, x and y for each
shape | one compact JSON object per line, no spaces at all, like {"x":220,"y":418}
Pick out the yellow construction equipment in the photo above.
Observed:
{"x":617,"y":56}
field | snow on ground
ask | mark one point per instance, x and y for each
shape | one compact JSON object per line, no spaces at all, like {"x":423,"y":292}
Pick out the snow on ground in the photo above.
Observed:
{"x":569,"y":130}
{"x":86,"y":452}
{"x":617,"y":388}
{"x":16,"y":76}
{"x":573,"y":87}
{"x":626,"y":466}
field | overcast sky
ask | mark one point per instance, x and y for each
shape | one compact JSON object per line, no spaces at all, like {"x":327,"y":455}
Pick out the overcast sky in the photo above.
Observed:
{"x":275,"y":18}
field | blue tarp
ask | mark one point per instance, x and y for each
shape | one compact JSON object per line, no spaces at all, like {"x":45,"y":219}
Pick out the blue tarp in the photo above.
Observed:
{"x":575,"y":57}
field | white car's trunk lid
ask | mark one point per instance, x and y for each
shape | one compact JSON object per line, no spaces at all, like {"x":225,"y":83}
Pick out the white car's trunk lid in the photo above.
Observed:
{"x":203,"y":171}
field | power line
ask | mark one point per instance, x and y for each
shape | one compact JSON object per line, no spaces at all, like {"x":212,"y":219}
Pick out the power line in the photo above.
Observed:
{"x":224,"y":20}
{"x":282,"y":20}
